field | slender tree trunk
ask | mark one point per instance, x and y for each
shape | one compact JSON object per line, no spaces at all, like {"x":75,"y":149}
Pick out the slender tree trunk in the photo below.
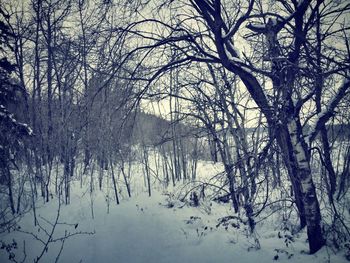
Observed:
{"x":114,"y":183}
{"x":165,"y":166}
{"x":127,"y":183}
{"x":49,"y":94}
{"x":148,"y":176}
{"x":231,"y":180}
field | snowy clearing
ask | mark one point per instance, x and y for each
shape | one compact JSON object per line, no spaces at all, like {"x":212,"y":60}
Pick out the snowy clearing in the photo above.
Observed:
{"x":145,"y":229}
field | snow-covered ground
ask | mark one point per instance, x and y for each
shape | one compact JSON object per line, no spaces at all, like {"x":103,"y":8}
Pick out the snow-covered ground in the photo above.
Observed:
{"x":148,"y":229}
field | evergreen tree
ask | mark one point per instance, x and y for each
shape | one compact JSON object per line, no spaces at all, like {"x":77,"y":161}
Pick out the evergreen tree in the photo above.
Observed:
{"x":12,"y":132}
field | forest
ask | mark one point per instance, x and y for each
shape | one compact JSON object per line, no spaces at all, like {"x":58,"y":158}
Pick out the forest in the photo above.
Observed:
{"x":174,"y":131}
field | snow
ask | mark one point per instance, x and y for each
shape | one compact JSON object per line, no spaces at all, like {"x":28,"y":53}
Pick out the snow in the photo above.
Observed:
{"x":147,"y":229}
{"x":273,"y":21}
{"x":295,"y":101}
{"x":25,"y":125}
{"x":228,"y":54}
{"x":142,"y":230}
{"x":300,"y":2}
{"x":258,"y":26}
{"x":237,"y":51}
{"x":237,"y":60}
{"x":30,"y":131}
{"x":225,"y":35}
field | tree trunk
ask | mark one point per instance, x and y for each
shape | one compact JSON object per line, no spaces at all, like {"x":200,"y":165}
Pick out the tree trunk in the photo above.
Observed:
{"x":296,"y":158}
{"x":127,"y":183}
{"x":147,"y":170}
{"x":114,"y":182}
{"x":9,"y":184}
{"x":231,"y":179}
{"x":288,"y":157}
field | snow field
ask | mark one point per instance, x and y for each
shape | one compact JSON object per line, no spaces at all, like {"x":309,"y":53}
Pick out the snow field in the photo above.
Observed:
{"x":148,"y":229}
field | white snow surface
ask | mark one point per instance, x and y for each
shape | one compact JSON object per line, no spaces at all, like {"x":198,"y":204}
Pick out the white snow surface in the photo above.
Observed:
{"x":143,"y":229}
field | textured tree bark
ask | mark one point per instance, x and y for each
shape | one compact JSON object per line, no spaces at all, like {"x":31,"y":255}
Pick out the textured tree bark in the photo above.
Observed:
{"x":114,"y":182}
{"x":288,"y":158}
{"x":304,"y":182}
